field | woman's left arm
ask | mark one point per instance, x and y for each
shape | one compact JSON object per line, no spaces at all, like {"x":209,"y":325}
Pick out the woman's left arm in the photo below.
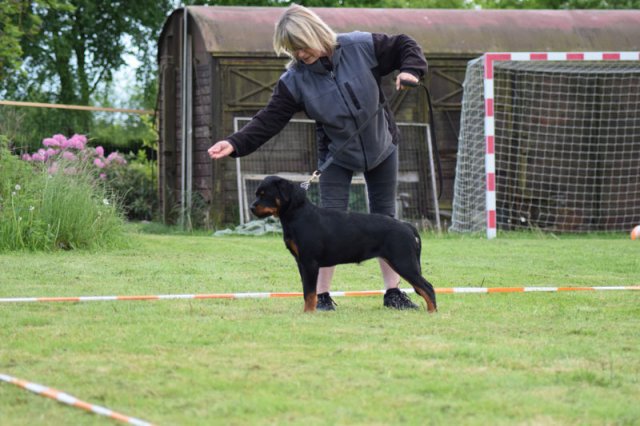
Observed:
{"x":399,"y":52}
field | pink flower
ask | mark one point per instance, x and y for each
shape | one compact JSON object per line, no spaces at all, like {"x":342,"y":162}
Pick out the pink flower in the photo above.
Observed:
{"x":68,"y":155}
{"x":50,"y":142}
{"x":100,"y":151}
{"x":115,"y":157}
{"x":55,"y":140}
{"x":103,"y":176}
{"x":99,"y":163}
{"x":26,"y":157}
{"x":37,"y":157}
{"x":53,"y":169}
{"x":77,"y":141}
{"x":51,"y":152}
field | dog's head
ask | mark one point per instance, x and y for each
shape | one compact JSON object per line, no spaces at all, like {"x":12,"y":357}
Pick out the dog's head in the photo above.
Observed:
{"x":276,"y":195}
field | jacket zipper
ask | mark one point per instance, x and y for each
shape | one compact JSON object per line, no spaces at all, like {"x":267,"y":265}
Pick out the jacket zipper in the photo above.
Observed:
{"x":364,"y":154}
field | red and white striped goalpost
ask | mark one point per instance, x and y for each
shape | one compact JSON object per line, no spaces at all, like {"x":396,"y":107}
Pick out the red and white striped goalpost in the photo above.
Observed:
{"x":489,"y":124}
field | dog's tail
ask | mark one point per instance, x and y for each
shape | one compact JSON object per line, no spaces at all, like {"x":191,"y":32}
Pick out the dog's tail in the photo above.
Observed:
{"x":417,"y":239}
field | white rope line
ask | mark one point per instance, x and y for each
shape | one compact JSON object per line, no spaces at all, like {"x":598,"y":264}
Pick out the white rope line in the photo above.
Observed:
{"x":257,"y":295}
{"x":65,"y":398}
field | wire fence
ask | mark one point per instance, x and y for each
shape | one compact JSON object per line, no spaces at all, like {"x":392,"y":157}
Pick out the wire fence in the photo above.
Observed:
{"x":293,"y":155}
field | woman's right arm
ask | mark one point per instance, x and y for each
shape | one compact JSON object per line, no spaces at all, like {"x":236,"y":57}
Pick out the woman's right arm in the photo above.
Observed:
{"x":263,"y":126}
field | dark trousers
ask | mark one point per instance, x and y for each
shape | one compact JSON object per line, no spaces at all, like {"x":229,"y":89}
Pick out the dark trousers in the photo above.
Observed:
{"x":382,"y":184}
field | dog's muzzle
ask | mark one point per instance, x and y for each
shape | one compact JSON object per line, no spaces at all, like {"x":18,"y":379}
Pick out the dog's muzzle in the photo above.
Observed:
{"x":261,"y":211}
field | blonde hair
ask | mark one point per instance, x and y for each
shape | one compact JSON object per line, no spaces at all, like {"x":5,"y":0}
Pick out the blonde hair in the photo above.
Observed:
{"x":300,"y":28}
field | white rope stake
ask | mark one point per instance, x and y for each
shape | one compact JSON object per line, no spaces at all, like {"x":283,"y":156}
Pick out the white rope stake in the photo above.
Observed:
{"x":448,"y":290}
{"x":65,"y":398}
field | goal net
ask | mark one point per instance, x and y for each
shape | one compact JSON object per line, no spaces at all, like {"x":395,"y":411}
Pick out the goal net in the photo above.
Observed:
{"x":549,"y":141}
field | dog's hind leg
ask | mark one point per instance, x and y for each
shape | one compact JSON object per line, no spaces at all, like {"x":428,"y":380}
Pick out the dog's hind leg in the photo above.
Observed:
{"x":409,"y":270}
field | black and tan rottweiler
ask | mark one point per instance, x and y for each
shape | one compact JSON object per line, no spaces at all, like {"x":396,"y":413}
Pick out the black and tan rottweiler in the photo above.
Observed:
{"x":319,"y":237}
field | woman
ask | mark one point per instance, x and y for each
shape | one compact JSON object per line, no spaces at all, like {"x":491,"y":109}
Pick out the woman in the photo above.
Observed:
{"x":335,"y":80}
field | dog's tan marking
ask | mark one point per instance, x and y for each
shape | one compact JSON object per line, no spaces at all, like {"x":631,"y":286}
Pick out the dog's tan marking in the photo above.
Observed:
{"x":431,"y":307}
{"x":291,"y":245}
{"x":262,"y":211}
{"x":310,"y":301}
{"x":278,"y":206}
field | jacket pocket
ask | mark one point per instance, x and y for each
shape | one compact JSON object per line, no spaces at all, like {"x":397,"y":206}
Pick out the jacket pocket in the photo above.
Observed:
{"x":353,"y":96}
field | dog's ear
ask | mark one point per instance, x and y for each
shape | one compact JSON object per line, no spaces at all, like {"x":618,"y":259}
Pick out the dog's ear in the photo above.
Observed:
{"x":284,"y":189}
{"x":291,"y":194}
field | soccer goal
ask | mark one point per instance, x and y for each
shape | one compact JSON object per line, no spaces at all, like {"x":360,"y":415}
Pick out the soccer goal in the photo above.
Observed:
{"x":549,"y":141}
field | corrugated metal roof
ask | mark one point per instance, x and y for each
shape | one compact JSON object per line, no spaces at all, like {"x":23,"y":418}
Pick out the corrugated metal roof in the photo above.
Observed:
{"x":249,"y":30}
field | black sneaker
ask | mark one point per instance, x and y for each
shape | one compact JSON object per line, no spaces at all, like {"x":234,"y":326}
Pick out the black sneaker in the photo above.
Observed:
{"x":325,"y":302}
{"x":396,"y":299}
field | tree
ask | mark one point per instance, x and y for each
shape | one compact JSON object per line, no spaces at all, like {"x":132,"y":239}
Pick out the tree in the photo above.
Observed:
{"x":16,"y":22}
{"x":558,"y":4}
{"x":79,"y":43}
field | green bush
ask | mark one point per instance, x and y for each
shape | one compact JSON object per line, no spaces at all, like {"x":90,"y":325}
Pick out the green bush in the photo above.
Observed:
{"x":131,"y":179}
{"x":134,"y":183}
{"x":45,"y":209}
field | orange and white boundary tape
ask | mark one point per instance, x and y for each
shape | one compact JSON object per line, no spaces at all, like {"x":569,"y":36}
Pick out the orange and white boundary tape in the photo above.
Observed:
{"x":445,"y":290}
{"x":71,"y":400}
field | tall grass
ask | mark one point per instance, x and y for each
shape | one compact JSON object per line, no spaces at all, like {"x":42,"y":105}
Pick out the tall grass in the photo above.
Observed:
{"x":82,"y":212}
{"x":67,"y":209}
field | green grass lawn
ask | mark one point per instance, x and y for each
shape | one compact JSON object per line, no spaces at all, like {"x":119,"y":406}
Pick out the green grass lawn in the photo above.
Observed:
{"x":534,"y":358}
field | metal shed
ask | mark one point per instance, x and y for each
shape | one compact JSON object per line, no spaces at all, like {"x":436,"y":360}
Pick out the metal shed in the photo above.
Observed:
{"x":223,"y":57}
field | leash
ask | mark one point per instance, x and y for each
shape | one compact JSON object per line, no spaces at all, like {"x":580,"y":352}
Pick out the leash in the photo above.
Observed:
{"x":316,"y":174}
{"x":432,"y":132}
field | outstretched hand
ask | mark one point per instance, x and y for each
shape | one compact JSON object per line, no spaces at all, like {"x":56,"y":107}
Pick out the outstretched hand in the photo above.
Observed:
{"x":220,"y":149}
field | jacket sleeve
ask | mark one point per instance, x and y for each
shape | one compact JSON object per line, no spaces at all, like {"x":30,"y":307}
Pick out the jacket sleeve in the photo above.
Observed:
{"x":399,"y":52}
{"x":267,"y":123}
